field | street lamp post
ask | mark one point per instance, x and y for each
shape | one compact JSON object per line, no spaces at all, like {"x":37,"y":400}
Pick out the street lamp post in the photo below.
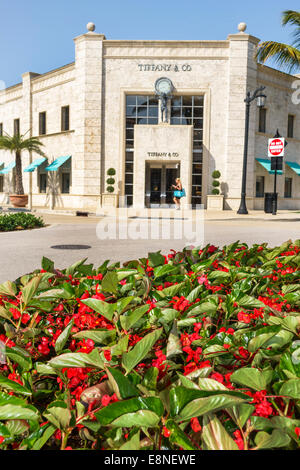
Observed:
{"x":261,"y":98}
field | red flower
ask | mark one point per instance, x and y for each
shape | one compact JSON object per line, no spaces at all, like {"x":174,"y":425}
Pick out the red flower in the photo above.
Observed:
{"x":166,"y":432}
{"x":244,"y":317}
{"x":195,"y":425}
{"x":1,"y":439}
{"x":297,"y":431}
{"x":238,"y":439}
{"x":218,"y":377}
{"x":105,"y":400}
{"x":107,"y":354}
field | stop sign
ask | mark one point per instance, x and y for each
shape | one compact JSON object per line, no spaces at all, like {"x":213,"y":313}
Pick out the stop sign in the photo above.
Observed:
{"x":276,"y":147}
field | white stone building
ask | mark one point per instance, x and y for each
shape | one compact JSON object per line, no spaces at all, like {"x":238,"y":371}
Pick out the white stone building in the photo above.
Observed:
{"x":102,"y":112}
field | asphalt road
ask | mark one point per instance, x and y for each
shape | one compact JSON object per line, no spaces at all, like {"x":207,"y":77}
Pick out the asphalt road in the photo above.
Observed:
{"x":21,"y":252}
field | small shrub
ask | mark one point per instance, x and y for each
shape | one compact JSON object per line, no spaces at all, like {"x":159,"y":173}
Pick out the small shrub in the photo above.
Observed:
{"x":111,"y":171}
{"x":216,"y":174}
{"x":19,"y":221}
{"x":215,"y":183}
{"x":110,"y":189}
{"x":110,"y":181}
{"x":215,"y":191}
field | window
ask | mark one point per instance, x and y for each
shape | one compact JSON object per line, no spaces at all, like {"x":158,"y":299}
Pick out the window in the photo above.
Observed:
{"x":260,"y":186}
{"x":17,"y":127}
{"x":288,"y":187}
{"x":65,"y":118}
{"x":262,"y":120}
{"x":42,"y":123}
{"x":65,"y":178}
{"x":290,"y":129}
{"x":42,"y":182}
{"x":1,"y":183}
{"x":140,"y":109}
{"x":65,"y":183}
{"x":1,"y":128}
{"x":189,"y":110}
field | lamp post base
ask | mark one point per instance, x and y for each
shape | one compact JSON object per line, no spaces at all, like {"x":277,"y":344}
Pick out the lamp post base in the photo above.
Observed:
{"x":242,"y":209}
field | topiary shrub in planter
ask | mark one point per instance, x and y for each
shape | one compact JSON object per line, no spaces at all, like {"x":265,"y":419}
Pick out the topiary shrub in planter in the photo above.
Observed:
{"x":20,"y":221}
{"x":215,"y":200}
{"x":109,"y":199}
{"x":156,"y":354}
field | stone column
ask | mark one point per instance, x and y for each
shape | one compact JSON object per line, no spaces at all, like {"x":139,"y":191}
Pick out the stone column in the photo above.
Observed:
{"x":26,"y":128}
{"x":242,"y":78}
{"x":87,"y":115}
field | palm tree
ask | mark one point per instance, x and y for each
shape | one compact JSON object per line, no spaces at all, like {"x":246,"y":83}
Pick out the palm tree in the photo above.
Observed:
{"x":286,"y":56}
{"x":16,"y":144}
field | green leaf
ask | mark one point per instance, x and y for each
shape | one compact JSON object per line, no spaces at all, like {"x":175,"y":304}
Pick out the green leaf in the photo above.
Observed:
{"x":8,"y":288}
{"x":59,"y":416}
{"x":30,"y":289}
{"x":110,"y":282}
{"x":122,"y":386}
{"x":250,"y":302}
{"x":278,"y":438}
{"x":38,"y":438}
{"x":101,"y":336}
{"x":14,"y":386}
{"x":77,"y":360}
{"x":113,"y":411}
{"x":156,"y":259}
{"x":184,"y":402}
{"x":72,"y":269}
{"x":241,"y":413}
{"x":291,"y":389}
{"x":173,"y":344}
{"x":47,"y":264}
{"x":20,"y":357}
{"x":140,"y":350}
{"x":161,"y":271}
{"x":133,"y":443}
{"x":215,"y":436}
{"x":17,"y":427}
{"x":210,"y":384}
{"x":150,"y":378}
{"x":104,"y":308}
{"x":129,"y":320}
{"x":140,"y":418}
{"x":63,"y":338}
{"x":178,"y":437}
{"x":249,"y":377}
{"x":17,"y":412}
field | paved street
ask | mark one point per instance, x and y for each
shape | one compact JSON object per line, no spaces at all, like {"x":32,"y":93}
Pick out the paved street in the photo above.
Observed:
{"x":21,"y":252}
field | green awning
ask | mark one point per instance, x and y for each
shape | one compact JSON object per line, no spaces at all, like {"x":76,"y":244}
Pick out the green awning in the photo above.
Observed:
{"x":294,"y":166}
{"x":266,"y":163}
{"x":35,"y":164}
{"x":8,"y":168}
{"x":54,"y":166}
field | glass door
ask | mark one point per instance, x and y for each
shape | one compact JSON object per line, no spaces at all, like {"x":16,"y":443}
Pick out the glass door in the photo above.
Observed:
{"x":155,"y":185}
{"x":171,"y":175}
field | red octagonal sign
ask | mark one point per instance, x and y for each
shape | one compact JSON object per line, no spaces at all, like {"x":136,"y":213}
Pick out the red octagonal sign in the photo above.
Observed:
{"x":276,"y":147}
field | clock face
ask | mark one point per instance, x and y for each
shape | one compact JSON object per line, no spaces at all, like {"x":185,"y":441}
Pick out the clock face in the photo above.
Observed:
{"x":163,"y":85}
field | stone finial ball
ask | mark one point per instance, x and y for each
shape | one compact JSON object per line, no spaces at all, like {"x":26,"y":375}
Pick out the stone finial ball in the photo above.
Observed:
{"x":242,"y":27}
{"x":91,"y":27}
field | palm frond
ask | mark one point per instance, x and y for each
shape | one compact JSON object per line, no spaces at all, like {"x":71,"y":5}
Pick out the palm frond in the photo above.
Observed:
{"x":287,"y":57}
{"x":291,"y":17}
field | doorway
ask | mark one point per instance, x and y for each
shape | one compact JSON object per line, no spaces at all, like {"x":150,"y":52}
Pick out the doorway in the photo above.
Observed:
{"x":159,"y":180}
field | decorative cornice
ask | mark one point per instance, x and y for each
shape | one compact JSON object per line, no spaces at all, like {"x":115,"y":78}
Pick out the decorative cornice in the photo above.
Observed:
{"x":160,"y":43}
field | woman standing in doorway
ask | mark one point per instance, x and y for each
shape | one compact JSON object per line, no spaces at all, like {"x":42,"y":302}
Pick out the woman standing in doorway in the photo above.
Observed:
{"x":177,"y":188}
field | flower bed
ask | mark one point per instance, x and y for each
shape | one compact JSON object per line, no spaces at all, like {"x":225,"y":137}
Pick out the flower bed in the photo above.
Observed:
{"x":194,"y":350}
{"x":19,"y":221}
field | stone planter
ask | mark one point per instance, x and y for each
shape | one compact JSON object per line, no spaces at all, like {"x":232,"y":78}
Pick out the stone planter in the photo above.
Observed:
{"x":18,"y":200}
{"x":215,"y":202}
{"x":110,"y":200}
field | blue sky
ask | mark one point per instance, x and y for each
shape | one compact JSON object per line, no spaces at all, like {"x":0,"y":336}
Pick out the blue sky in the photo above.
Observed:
{"x":37,"y":35}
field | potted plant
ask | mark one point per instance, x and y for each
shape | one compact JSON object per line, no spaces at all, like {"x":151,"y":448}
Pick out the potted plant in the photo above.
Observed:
{"x":215,"y":200}
{"x":109,"y":198}
{"x":16,"y":144}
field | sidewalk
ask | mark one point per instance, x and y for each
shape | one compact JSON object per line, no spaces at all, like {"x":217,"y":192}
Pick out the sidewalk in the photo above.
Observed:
{"x":69,"y":215}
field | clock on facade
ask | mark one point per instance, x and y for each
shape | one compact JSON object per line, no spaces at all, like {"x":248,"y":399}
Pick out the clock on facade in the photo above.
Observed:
{"x":163,"y":86}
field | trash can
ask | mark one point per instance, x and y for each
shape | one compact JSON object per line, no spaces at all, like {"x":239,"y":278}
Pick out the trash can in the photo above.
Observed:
{"x":269,"y":197}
